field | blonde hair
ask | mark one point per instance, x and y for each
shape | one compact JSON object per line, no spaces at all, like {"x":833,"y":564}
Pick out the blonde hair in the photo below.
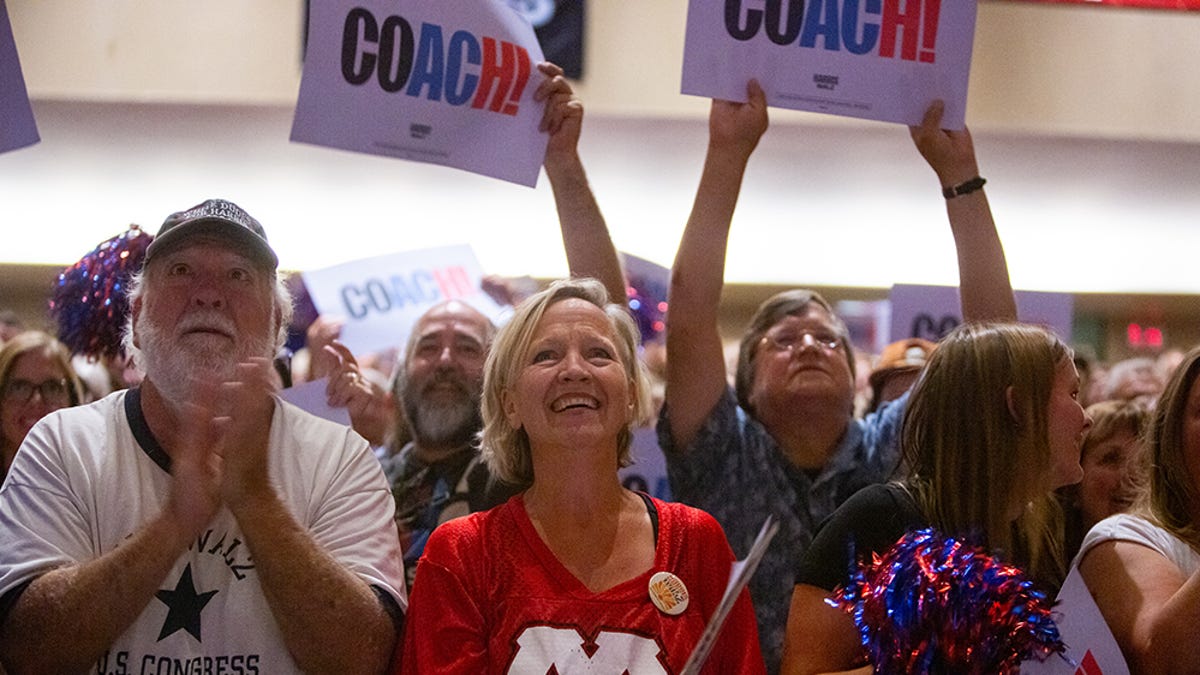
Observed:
{"x":975,"y":437}
{"x":32,"y":341}
{"x":507,"y":450}
{"x":1172,"y":497}
{"x":1112,"y":417}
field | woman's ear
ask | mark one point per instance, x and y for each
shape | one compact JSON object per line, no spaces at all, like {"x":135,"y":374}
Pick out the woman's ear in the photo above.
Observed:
{"x":510,"y":409}
{"x":1010,"y":398}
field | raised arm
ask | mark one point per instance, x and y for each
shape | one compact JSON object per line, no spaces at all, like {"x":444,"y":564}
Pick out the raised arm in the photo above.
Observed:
{"x":695,"y":358}
{"x":984,"y":286}
{"x":590,"y":251}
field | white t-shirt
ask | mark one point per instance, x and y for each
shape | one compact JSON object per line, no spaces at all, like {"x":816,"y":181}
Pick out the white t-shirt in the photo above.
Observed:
{"x":1128,"y":527}
{"x":85,"y":480}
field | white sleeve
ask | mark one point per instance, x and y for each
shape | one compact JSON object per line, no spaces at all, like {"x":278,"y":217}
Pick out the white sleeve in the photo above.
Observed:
{"x":353,"y":517}
{"x":43,"y":521}
{"x":1131,"y":528}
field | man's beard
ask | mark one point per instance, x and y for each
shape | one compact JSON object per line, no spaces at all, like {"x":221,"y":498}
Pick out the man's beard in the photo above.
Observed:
{"x":442,"y":423}
{"x":174,"y":363}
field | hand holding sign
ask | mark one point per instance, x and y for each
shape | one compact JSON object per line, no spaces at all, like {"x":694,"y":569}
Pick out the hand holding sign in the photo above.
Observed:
{"x":982,"y":268}
{"x":881,"y":60}
{"x":739,"y":126}
{"x":563,"y":116}
{"x":951,"y":154}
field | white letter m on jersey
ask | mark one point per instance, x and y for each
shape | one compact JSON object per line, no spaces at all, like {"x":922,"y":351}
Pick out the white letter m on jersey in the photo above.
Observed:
{"x":543,"y":648}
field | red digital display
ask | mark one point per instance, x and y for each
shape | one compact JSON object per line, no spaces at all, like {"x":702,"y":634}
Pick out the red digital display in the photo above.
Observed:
{"x":1139,"y":336}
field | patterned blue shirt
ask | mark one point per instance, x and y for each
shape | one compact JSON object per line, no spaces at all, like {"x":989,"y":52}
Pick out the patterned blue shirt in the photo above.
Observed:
{"x":735,"y":470}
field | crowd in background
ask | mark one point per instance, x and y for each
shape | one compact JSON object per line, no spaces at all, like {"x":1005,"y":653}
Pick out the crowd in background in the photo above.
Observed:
{"x":39,"y":376}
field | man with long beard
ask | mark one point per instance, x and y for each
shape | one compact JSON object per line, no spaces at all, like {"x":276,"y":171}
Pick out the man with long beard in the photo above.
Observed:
{"x":199,"y":523}
{"x":438,"y":476}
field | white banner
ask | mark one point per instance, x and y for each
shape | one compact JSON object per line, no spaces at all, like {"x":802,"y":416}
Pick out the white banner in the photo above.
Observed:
{"x":378,"y":299}
{"x":447,"y":83}
{"x":875,"y":59}
{"x":1091,"y":648}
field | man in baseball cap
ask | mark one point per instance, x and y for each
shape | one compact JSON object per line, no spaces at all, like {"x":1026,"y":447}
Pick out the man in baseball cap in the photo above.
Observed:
{"x":215,"y":218}
{"x":203,"y":518}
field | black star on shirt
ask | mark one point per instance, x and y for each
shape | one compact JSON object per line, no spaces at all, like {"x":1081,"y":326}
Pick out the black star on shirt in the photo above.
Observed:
{"x":183,"y":606}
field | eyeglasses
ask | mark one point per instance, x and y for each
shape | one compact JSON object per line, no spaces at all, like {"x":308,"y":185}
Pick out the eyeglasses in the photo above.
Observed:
{"x":52,"y":391}
{"x":788,"y":341}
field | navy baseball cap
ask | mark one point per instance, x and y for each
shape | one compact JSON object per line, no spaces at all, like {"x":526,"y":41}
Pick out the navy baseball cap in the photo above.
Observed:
{"x":218,"y":219}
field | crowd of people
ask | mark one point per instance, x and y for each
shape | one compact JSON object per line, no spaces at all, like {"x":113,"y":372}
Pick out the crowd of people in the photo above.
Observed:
{"x":471,"y":518}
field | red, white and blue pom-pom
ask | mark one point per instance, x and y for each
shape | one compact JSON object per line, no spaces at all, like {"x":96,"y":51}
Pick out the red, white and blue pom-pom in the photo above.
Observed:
{"x":90,"y":300}
{"x":932,"y":604}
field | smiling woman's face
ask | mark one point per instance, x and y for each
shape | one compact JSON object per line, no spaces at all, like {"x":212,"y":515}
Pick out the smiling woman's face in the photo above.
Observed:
{"x":572,"y":390}
{"x":1109,"y":468}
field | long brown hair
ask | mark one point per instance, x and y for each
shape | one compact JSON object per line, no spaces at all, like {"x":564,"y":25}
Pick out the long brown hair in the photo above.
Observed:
{"x":1173,"y":497}
{"x":975,"y":439}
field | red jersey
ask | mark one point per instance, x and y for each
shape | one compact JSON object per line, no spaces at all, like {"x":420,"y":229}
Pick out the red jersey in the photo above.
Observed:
{"x":490,"y":597}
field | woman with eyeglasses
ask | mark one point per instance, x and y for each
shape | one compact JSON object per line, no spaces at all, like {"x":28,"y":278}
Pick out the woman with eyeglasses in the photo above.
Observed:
{"x":36,"y":378}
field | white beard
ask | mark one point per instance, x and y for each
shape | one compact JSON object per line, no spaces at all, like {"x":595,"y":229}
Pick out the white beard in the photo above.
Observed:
{"x":456,"y":422}
{"x":174,"y":363}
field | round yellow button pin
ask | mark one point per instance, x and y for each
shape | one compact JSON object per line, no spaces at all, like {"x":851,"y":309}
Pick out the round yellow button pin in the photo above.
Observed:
{"x":668,"y":593}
